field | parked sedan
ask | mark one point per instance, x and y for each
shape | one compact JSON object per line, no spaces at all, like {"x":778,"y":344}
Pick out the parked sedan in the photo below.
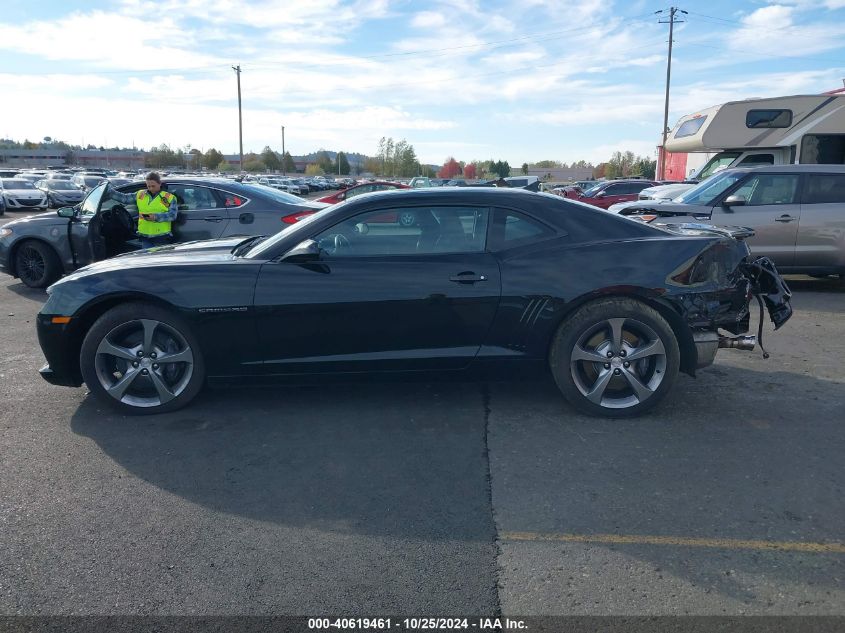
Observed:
{"x":797,"y":212}
{"x":20,"y":194}
{"x":610,"y":192}
{"x":60,"y":193}
{"x":39,"y":249}
{"x":492,"y":280}
{"x":357,"y":190}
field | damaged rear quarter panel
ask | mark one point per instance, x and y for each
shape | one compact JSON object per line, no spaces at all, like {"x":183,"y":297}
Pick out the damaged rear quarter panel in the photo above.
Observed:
{"x":698,"y":278}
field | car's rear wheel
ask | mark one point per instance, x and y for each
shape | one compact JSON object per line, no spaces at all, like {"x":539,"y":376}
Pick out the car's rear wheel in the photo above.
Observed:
{"x":36,"y":264}
{"x":142,"y":359}
{"x":615,"y":357}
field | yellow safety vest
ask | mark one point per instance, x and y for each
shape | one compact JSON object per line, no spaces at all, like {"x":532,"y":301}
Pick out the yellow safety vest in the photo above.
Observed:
{"x":149,"y":205}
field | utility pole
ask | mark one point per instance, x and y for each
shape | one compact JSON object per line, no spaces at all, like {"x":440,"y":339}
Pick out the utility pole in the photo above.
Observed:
{"x":237,"y":70}
{"x":284,"y":156}
{"x":671,"y":21}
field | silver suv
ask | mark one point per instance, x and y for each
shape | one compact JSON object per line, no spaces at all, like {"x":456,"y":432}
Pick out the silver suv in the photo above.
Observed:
{"x":797,"y":212}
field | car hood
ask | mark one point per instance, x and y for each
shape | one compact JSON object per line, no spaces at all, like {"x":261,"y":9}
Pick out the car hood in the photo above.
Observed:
{"x":48,"y":218}
{"x":203,"y":251}
{"x":660,"y":207}
{"x":24,"y":193}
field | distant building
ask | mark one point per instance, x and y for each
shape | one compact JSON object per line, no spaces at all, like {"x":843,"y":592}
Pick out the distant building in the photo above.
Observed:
{"x":558,"y":174}
{"x":116,"y":159}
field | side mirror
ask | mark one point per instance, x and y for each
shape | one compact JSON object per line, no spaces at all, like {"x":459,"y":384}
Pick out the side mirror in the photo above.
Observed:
{"x":307,"y":251}
{"x":66,"y":212}
{"x":734,"y":201}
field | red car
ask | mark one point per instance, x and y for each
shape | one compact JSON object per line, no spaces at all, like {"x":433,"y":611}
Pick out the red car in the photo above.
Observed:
{"x":610,"y":192}
{"x":367,"y":187}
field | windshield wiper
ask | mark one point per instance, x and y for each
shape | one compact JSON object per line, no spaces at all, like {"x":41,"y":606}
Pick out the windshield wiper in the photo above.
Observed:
{"x":248,"y":243}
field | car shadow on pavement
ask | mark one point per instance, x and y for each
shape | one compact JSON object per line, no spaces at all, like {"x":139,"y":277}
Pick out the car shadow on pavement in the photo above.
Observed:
{"x":736,"y":454}
{"x":386,"y":459}
{"x":22,"y":290}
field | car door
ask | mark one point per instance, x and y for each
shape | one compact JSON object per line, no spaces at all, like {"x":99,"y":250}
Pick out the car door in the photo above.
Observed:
{"x":202,"y":213}
{"x":382,"y":296}
{"x":821,"y":229}
{"x":768,"y":203}
{"x":87,"y":247}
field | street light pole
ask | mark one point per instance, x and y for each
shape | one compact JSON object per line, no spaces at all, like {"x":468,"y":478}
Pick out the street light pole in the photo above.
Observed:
{"x":284,"y":156}
{"x":672,"y":20}
{"x":237,"y":70}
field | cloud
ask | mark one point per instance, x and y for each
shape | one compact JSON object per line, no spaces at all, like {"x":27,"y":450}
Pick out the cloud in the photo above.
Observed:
{"x":428,"y":19}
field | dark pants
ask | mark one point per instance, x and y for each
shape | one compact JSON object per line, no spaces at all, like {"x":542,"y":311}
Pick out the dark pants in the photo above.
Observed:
{"x":150,"y":241}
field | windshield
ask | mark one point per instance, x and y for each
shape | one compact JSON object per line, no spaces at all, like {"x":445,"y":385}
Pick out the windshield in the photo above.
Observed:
{"x":300,"y":227}
{"x":275,"y":194}
{"x":705,"y":192}
{"x":92,"y":201}
{"x":722,"y":159}
{"x":8,"y":183}
{"x":61,"y":185}
{"x":589,"y":193}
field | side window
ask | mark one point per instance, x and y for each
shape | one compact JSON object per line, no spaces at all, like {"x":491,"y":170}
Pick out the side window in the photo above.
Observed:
{"x":823,"y":149}
{"x":191,"y":198}
{"x":757,"y":159}
{"x":512,"y":228}
{"x":408,"y":231}
{"x":767,"y":189}
{"x":825,"y":189}
{"x":614,"y":190}
{"x":359,"y":190}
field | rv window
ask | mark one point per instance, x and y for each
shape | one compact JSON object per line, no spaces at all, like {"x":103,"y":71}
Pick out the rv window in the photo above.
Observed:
{"x":825,"y":189}
{"x":823,"y":149}
{"x":757,"y":159}
{"x":691,"y":127}
{"x":768,"y":118}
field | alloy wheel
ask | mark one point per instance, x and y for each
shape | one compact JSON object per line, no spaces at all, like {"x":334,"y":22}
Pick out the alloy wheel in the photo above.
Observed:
{"x":144,"y":363}
{"x":30,"y":265}
{"x":618,"y":363}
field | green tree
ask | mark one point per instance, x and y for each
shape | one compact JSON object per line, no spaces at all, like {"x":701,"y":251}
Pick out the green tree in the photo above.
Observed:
{"x":324,"y":161}
{"x":341,"y":165}
{"x":254,"y":165}
{"x":212,"y":158}
{"x":501,"y":168}
{"x":289,"y":165}
{"x":270,"y":159}
{"x":223,"y":166}
{"x":524,"y":169}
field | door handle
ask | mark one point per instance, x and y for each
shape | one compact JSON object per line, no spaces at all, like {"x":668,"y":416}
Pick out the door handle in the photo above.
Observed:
{"x":467,"y":278}
{"x":213,"y":218}
{"x":785,"y":218}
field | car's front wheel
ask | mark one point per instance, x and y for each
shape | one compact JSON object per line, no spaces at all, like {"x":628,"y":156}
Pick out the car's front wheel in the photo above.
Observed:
{"x":36,"y":264}
{"x":615,"y":357}
{"x":142,"y":359}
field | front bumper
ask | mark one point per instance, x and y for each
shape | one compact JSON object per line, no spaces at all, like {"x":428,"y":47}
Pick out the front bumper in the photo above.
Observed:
{"x":57,"y":344}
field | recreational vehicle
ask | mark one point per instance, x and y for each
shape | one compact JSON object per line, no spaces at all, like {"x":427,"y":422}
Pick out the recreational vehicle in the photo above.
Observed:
{"x":808,"y":129}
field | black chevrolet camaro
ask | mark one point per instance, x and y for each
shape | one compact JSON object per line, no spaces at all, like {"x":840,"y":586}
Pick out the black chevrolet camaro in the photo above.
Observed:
{"x":491,"y":281}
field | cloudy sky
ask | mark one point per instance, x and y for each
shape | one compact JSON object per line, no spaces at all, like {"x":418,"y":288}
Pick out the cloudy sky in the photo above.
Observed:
{"x":524,"y":80}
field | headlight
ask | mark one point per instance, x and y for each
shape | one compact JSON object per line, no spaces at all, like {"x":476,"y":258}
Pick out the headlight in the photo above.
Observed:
{"x":4,"y":232}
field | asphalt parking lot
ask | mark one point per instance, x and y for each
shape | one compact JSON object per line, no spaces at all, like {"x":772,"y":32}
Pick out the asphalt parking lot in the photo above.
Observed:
{"x":383,"y":498}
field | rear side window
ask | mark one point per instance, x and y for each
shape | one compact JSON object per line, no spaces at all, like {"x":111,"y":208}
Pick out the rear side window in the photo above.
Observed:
{"x":757,"y":159}
{"x":511,"y":228}
{"x":768,"y":118}
{"x":825,"y":189}
{"x":691,"y":127}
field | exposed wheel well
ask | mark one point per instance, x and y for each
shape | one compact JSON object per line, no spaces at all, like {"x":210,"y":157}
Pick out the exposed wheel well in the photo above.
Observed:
{"x":686,"y":345}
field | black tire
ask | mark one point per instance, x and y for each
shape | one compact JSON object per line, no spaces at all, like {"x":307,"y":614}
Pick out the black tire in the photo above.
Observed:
{"x":611,"y":386}
{"x":124,"y":328}
{"x":36,"y":264}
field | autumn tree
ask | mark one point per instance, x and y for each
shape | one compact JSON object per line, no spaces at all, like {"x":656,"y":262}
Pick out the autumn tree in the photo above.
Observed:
{"x":450,"y":169}
{"x":470,"y":172}
{"x":314,"y":170}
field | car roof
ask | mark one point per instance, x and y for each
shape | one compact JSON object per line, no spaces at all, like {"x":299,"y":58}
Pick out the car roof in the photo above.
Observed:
{"x":492,"y":195}
{"x":790,"y":169}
